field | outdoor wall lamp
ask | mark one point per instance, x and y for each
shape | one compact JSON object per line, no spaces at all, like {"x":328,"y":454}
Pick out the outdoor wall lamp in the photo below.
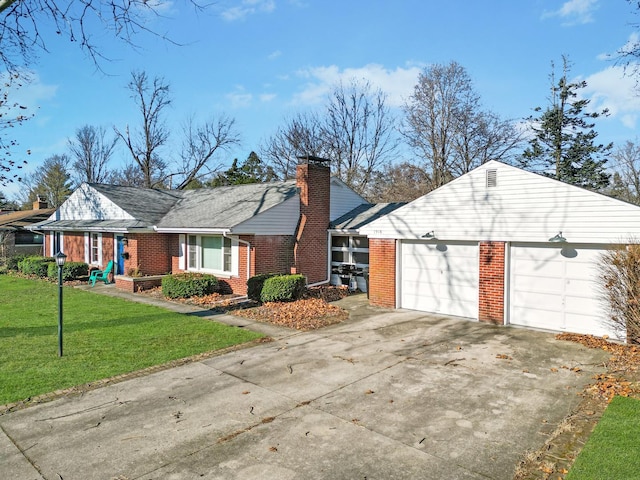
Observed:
{"x":430,"y":234}
{"x":558,"y":238}
{"x":60,"y":259}
{"x":125,"y":241}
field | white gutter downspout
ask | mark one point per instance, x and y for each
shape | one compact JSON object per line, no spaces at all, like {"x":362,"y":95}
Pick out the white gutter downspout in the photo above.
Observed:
{"x":324,"y":282}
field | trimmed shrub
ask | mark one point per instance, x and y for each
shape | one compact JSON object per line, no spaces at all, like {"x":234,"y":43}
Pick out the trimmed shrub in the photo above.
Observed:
{"x":255,"y":284}
{"x":38,"y":266}
{"x":185,"y":285}
{"x":12,"y":262}
{"x":70,"y":271}
{"x":283,"y":288}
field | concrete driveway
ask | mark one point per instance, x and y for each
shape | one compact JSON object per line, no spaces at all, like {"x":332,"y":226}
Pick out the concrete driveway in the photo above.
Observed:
{"x":386,"y":395}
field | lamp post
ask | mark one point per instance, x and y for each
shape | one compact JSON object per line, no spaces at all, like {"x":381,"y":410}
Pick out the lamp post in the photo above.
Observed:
{"x":60,"y":259}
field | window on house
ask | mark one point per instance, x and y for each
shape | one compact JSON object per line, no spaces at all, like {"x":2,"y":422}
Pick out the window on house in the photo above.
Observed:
{"x":94,"y":248}
{"x":210,"y":254}
{"x":350,"y":249}
{"x":23,"y":237}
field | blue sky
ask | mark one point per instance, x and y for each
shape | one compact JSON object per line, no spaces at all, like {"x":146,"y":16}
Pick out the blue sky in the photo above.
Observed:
{"x":260,"y":61}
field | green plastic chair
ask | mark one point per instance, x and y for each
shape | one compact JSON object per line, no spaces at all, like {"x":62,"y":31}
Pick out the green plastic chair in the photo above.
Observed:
{"x":101,"y":274}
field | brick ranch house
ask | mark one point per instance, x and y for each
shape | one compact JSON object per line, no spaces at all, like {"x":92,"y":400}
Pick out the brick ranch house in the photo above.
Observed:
{"x":504,"y":246}
{"x":233,"y":232}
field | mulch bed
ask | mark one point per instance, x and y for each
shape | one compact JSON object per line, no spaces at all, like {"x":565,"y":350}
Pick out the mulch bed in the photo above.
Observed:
{"x":311,"y":312}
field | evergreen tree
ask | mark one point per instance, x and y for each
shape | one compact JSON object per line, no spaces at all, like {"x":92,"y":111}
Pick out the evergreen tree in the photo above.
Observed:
{"x":253,"y":170}
{"x":52,"y":181}
{"x":563,"y":145}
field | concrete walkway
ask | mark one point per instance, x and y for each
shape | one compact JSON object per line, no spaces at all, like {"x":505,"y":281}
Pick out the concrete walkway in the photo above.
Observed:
{"x":385,"y":395}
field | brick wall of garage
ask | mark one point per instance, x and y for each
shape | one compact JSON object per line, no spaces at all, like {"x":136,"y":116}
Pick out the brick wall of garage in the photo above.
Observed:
{"x":382,"y":272}
{"x":491,"y":284}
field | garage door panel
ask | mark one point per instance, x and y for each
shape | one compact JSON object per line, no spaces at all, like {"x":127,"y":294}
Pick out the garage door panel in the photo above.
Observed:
{"x":441,"y":278}
{"x":544,"y":318}
{"x":532,"y":284}
{"x":554,"y":287}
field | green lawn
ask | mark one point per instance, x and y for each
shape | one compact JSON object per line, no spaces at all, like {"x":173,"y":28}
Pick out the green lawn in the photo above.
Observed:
{"x":103,"y":337}
{"x":613,"y":449}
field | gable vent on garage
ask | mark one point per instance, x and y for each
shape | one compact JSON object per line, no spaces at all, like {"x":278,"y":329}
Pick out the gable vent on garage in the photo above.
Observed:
{"x":492,"y":178}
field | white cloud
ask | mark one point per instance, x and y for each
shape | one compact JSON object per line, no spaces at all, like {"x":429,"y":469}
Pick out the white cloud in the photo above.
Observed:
{"x":397,"y":84}
{"x":248,"y":7}
{"x":612,"y":89}
{"x":274,"y":55}
{"x":31,"y":93}
{"x":239,"y":98}
{"x":267,"y":97}
{"x":574,"y":12}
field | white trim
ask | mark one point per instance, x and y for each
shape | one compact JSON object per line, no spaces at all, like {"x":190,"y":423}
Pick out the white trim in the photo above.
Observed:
{"x":87,"y":248}
{"x":398,"y":273}
{"x":221,"y":273}
{"x":182,"y":238}
{"x":194,"y":231}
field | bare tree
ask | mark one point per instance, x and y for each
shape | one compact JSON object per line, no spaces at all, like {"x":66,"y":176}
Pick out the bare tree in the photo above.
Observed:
{"x":144,"y":144}
{"x":301,"y":135}
{"x":403,"y":182}
{"x":446,"y":126}
{"x":25,"y":25}
{"x":91,"y":151}
{"x":200,"y":144}
{"x":626,"y":161}
{"x":359,"y":132}
{"x":483,"y":136}
{"x":355,"y":131}
{"x":12,"y":114}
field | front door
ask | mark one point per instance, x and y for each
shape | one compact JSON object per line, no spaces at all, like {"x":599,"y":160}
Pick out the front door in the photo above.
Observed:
{"x":120,"y":254}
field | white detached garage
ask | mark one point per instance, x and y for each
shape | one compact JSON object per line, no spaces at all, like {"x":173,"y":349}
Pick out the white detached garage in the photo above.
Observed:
{"x":501,"y":245}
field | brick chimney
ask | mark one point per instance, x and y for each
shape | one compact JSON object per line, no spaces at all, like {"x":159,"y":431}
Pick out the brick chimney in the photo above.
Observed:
{"x":310,"y":253}
{"x":40,"y":204}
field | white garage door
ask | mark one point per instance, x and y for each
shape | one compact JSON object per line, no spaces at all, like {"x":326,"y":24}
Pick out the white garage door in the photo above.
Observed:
{"x":554,"y":287}
{"x":440,"y":277}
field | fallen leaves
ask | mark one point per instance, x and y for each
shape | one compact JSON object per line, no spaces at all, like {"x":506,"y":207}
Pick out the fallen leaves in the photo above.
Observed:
{"x":624,"y":361}
{"x":503,"y":356}
{"x":305,"y":314}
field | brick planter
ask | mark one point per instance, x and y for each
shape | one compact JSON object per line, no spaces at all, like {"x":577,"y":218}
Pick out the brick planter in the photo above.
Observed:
{"x":138,"y":284}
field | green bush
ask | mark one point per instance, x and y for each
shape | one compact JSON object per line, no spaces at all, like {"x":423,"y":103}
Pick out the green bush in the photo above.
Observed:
{"x":70,"y":271}
{"x":34,"y":265}
{"x":12,"y":262}
{"x":283,"y":288}
{"x":255,"y":284}
{"x":185,"y":285}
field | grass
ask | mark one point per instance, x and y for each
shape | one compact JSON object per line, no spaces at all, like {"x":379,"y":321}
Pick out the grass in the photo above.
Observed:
{"x":613,"y":449}
{"x":103,"y":337}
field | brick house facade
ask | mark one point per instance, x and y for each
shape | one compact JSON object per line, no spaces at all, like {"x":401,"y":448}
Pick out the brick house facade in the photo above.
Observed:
{"x":281,"y":228}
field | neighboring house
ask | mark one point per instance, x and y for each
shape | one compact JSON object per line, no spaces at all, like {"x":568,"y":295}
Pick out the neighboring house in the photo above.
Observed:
{"x":16,"y":238}
{"x":234,"y":232}
{"x":500,"y":245}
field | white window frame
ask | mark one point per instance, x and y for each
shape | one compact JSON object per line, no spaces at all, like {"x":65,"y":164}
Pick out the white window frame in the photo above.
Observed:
{"x":350,"y":249}
{"x":93,"y":241}
{"x":196,"y":249}
{"x":52,"y":242}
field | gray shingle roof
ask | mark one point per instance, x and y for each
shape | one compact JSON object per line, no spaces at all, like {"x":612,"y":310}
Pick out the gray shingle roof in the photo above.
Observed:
{"x":363,"y":214}
{"x":147,"y":205}
{"x":225,"y":207}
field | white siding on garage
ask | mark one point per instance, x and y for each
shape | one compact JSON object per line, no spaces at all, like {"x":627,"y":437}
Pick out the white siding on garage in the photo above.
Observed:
{"x":521,"y":207}
{"x":554,"y":287}
{"x":440,"y":277}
